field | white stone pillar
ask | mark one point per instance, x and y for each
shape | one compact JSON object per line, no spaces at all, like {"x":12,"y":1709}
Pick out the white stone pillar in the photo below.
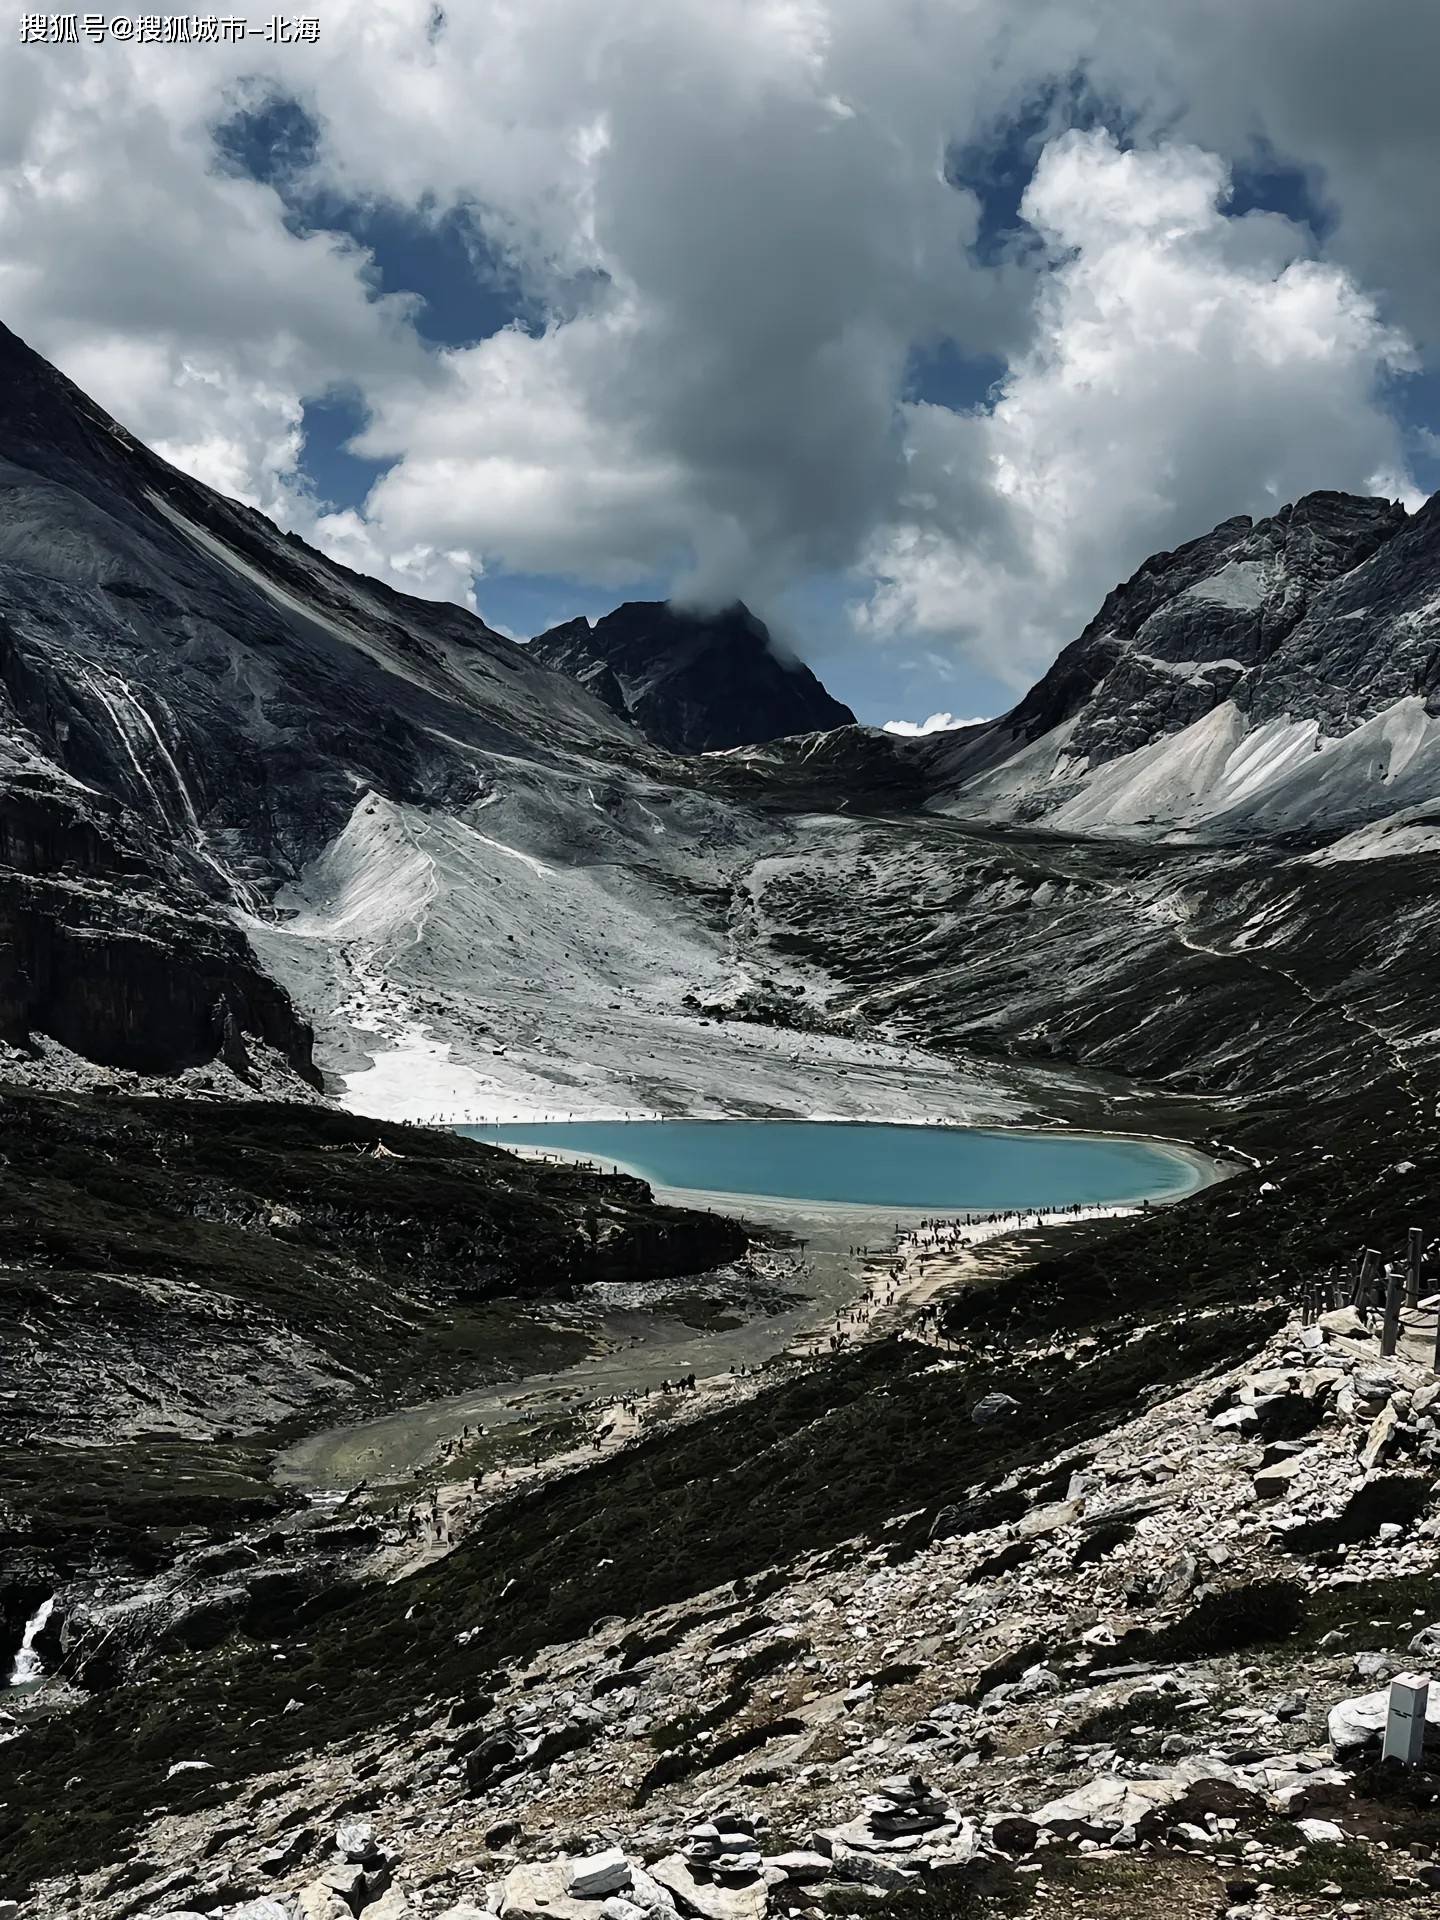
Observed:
{"x":1405,"y":1722}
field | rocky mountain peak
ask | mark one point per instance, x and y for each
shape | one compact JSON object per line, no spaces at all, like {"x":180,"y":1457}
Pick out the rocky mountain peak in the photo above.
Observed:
{"x":692,"y":681}
{"x":1312,"y":623}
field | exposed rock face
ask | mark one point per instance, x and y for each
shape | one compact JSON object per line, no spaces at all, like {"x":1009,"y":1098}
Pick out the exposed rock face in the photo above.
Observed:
{"x":190,"y":703}
{"x":1275,"y":675}
{"x":1186,"y":630}
{"x":111,"y":951}
{"x":1278,"y":676}
{"x":692,"y":682}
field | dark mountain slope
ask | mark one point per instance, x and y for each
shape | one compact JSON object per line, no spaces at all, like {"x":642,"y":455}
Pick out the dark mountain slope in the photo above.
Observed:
{"x":172,"y":1269}
{"x":190,"y":705}
{"x":692,"y":682}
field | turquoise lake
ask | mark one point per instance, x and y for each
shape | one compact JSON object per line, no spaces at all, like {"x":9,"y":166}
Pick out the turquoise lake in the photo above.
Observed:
{"x":945,"y":1169}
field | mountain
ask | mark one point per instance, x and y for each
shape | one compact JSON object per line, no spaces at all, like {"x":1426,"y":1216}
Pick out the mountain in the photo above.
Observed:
{"x":692,"y":682}
{"x":1275,"y":676}
{"x":267,"y":825}
{"x":194,"y":709}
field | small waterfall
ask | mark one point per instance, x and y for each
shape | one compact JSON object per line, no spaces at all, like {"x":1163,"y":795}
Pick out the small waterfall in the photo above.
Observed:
{"x":28,"y":1668}
{"x":140,"y":736}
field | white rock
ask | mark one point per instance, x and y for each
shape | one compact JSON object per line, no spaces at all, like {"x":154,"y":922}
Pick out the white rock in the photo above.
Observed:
{"x":801,"y":1865}
{"x":599,"y":1874}
{"x":355,"y":1841}
{"x":1315,"y":1830}
{"x":1355,"y":1723}
{"x":617,"y":1907}
{"x":708,"y":1898}
{"x":542,"y":1892}
{"x":392,"y":1905}
{"x":1103,"y":1806}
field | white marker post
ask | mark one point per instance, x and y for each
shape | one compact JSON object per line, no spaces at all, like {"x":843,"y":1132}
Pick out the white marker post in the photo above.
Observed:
{"x":1405,"y":1722}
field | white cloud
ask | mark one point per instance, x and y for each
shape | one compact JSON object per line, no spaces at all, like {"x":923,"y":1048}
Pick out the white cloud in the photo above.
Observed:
{"x":170,"y":290}
{"x":936,"y":723}
{"x":1185,"y":367}
{"x":737,"y":224}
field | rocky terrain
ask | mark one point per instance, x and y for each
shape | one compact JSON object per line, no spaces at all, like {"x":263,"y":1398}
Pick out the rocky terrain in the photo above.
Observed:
{"x":182,"y":1283}
{"x":1084,"y":1597}
{"x":267,"y":822}
{"x":1269,"y":678}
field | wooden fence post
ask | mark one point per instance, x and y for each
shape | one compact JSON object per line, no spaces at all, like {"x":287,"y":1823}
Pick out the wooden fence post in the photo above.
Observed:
{"x":1360,"y":1299}
{"x":1394,"y":1294}
{"x":1412,"y":1282}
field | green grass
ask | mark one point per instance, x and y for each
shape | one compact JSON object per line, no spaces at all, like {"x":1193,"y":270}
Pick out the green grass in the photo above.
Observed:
{"x":1347,"y":1864}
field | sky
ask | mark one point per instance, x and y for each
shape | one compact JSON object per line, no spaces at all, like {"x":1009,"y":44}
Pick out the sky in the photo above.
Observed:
{"x":916,"y":324}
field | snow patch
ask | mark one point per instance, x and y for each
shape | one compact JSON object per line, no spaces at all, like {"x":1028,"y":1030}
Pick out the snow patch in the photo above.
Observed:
{"x":1241,"y":584}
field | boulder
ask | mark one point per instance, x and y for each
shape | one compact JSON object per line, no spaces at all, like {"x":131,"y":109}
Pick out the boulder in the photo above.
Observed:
{"x":321,"y":1902}
{"x":1318,"y":1831}
{"x":1101,"y":1808}
{"x":393,"y":1905}
{"x":801,"y":1865}
{"x":993,"y":1407}
{"x":542,"y":1892}
{"x":1378,"y":1666}
{"x":1012,"y":1833}
{"x":355,"y":1842}
{"x":696,"y":1892}
{"x":599,"y":1874}
{"x":1359,"y":1723}
{"x":647,"y":1894}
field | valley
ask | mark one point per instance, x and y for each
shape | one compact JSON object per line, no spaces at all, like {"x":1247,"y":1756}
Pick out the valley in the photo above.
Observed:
{"x":360,"y":1551}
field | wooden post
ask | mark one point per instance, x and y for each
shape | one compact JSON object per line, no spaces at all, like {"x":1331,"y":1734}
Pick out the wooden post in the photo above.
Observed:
{"x":1394,"y":1294}
{"x":1412,"y":1282}
{"x":1360,"y":1299}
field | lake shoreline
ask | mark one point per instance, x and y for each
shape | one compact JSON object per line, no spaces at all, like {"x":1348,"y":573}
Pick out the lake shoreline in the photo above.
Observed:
{"x":840,"y":1240}
{"x":1202,"y":1169}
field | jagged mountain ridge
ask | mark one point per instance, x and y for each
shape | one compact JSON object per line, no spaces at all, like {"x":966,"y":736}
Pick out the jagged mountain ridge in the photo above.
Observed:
{"x":1279,"y":676}
{"x":1269,"y":677}
{"x":692,"y":682}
